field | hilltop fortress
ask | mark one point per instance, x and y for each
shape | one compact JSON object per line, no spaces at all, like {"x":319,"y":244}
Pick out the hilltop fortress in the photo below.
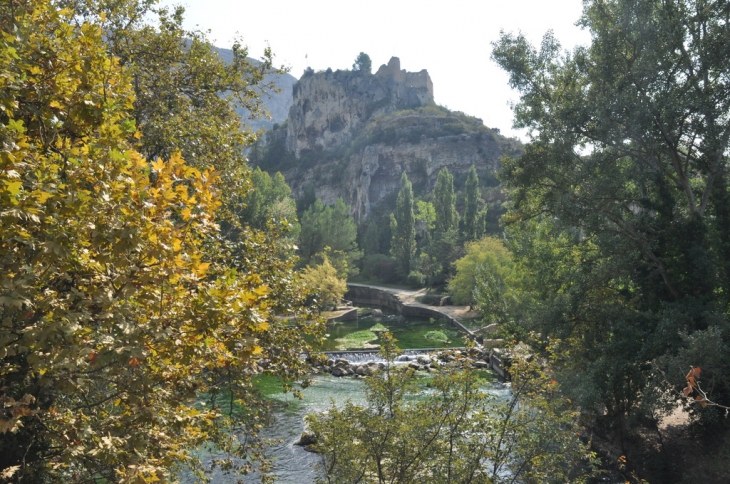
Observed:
{"x":328,"y":105}
{"x":351,"y":134}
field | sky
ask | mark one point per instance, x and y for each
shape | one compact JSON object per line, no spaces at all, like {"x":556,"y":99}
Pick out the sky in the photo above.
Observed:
{"x":451,"y":39}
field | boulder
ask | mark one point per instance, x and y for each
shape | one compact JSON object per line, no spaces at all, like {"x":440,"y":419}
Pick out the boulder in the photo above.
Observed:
{"x":341,"y":363}
{"x":377,"y":313}
{"x":307,"y":438}
{"x":423,"y":359}
{"x":480,"y":364}
{"x":339,"y":371}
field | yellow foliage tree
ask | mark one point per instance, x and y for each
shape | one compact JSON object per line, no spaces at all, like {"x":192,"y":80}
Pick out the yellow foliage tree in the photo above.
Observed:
{"x":121,"y":314}
{"x":324,"y":281}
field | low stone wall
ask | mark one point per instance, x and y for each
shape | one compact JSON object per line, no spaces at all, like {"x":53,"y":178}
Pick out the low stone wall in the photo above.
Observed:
{"x":345,"y":315}
{"x":372,"y":296}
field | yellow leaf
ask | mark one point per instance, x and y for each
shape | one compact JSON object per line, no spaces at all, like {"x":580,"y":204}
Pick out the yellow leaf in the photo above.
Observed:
{"x":42,"y":196}
{"x":158,"y":165}
{"x":186,"y":213}
{"x":201,"y":269}
{"x":14,"y":187}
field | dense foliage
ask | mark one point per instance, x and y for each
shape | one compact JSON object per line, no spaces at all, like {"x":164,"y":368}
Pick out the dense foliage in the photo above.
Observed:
{"x":621,"y":210}
{"x":487,"y":261}
{"x":269,"y":202}
{"x":130,"y":329}
{"x":330,"y":227}
{"x":475,"y":214}
{"x":403,"y":227}
{"x":455,"y":433}
{"x":363,"y":63}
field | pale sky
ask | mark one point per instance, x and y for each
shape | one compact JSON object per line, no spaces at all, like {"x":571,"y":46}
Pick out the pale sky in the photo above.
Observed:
{"x":451,"y":39}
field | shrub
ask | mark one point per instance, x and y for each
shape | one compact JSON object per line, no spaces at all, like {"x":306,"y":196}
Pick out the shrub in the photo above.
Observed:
{"x":416,"y":279}
{"x":380,"y":267}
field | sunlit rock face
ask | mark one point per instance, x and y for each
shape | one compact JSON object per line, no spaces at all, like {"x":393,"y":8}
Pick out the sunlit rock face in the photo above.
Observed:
{"x":352,"y":135}
{"x":327,"y":106}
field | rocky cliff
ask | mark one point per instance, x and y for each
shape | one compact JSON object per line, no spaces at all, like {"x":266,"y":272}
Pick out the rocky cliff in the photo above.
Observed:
{"x":352,"y":135}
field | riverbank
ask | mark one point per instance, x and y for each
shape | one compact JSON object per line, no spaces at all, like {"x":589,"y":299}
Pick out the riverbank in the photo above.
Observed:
{"x":405,"y":302}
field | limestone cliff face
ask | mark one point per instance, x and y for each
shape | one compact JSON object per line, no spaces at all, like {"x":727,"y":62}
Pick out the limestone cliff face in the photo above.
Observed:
{"x":329,"y":105}
{"x":352,"y":135}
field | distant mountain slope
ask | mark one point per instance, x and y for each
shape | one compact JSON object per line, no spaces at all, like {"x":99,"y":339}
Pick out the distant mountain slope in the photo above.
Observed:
{"x":352,"y":135}
{"x":277,"y":104}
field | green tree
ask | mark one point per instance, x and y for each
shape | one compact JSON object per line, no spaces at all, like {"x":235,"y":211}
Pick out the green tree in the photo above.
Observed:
{"x":473,"y":216}
{"x":371,"y":238}
{"x":403,"y":227}
{"x":363,"y":63}
{"x":333,"y":227}
{"x":485,"y":255}
{"x":444,"y":202}
{"x":269,"y":200}
{"x":627,"y":240}
{"x":185,"y":95}
{"x":457,"y":433}
{"x":444,"y":244}
{"x":122,"y":311}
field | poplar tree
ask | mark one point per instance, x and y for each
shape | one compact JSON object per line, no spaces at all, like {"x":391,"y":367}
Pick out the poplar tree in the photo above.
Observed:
{"x":444,"y":202}
{"x":472,"y":226}
{"x":403,"y":226}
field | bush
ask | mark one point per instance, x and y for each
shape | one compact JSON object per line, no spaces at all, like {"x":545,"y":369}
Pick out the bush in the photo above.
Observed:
{"x":430,"y":299}
{"x":380,"y":267}
{"x":416,"y":279}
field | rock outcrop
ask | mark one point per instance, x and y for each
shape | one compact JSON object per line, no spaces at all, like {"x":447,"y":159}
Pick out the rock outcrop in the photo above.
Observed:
{"x":327,"y":107}
{"x":352,"y":135}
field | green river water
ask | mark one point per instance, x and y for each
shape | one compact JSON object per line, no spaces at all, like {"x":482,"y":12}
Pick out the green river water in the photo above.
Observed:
{"x":410,"y":332}
{"x":294,"y":465}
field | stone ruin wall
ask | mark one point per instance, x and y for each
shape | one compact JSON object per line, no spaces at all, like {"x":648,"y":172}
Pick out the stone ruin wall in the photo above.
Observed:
{"x":417,"y":80}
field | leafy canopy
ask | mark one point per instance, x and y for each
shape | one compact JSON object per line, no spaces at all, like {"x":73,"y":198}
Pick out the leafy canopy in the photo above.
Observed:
{"x":333,"y":227}
{"x":487,"y":255}
{"x":621,"y":204}
{"x":363,"y":63}
{"x":403,"y":227}
{"x":452,"y":431}
{"x":124,"y":317}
